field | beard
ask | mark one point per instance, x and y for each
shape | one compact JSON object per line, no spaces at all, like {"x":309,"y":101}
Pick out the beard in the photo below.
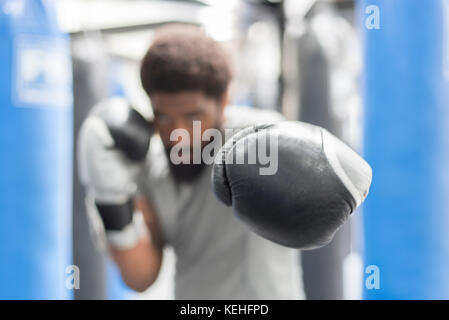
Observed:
{"x":186,"y":173}
{"x":189,"y":172}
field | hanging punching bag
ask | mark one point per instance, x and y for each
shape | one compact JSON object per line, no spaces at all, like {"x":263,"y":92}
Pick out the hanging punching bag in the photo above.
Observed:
{"x":35,"y":153}
{"x":406,"y":96}
{"x":90,"y":79}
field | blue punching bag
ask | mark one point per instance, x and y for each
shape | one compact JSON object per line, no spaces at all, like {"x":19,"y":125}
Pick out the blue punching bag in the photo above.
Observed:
{"x":406,"y":95}
{"x":35,"y":153}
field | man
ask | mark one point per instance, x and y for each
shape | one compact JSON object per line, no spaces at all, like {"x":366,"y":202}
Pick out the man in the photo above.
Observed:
{"x":186,"y":75}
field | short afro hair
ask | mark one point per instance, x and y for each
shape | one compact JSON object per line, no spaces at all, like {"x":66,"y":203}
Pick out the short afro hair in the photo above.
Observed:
{"x":184,"y":58}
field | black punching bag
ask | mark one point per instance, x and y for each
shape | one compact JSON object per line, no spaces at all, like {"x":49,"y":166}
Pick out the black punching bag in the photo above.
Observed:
{"x":90,"y":86}
{"x":310,"y":97}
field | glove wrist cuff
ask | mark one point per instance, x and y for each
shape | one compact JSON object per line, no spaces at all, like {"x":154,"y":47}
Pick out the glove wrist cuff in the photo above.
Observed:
{"x":130,"y":235}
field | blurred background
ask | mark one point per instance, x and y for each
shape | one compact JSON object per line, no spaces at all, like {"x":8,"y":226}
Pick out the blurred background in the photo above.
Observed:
{"x":375,"y":73}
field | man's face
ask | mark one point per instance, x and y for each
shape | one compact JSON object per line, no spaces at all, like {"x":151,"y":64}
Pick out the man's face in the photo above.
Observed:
{"x":179,"y":111}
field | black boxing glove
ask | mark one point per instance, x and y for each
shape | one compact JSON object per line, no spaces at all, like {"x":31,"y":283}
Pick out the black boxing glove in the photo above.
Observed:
{"x":317,"y":183}
{"x":112,"y":145}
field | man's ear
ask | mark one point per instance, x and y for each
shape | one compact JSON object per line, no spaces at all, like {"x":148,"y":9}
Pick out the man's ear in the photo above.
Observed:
{"x":224,"y":100}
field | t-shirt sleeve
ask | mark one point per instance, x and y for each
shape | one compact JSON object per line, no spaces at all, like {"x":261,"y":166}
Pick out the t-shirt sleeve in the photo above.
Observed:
{"x":239,"y":117}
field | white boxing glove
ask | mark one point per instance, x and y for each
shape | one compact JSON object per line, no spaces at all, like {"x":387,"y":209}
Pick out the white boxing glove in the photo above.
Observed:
{"x":112,"y":146}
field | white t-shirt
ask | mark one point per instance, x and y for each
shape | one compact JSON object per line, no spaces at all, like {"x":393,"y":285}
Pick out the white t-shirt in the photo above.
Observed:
{"x":217,"y":256}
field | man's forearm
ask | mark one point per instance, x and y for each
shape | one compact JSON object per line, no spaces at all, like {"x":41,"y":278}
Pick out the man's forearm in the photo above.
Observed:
{"x":140,"y":264}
